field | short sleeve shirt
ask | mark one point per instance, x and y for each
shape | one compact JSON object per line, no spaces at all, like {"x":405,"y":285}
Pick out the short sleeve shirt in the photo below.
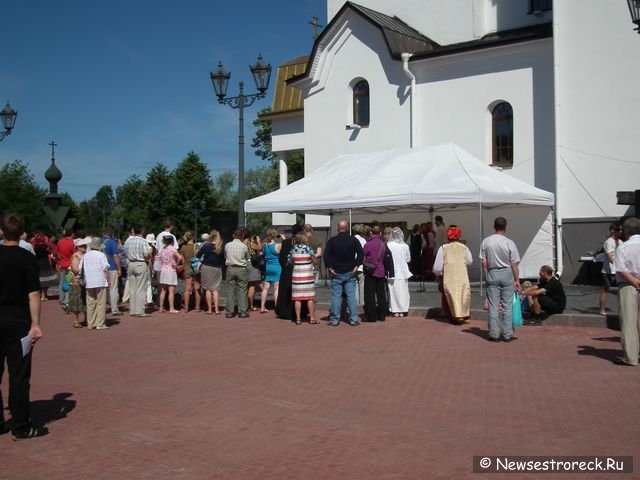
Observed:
{"x":499,"y":251}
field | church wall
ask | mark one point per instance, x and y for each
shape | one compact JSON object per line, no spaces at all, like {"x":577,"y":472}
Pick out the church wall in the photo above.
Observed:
{"x":597,"y":54}
{"x":359,"y":53}
{"x":455,"y":96}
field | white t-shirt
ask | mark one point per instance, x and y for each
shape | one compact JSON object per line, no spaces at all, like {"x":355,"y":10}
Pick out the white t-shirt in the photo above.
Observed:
{"x":609,"y":246}
{"x":499,"y":251}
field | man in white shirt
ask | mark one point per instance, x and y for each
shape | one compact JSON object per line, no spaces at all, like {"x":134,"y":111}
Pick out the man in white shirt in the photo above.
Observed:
{"x":608,"y":269}
{"x":627,"y":265}
{"x":168,"y":226}
{"x":500,"y":259}
{"x":95,"y":268}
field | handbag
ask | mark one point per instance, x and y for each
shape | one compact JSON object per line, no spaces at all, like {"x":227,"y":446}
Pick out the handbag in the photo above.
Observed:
{"x":370,"y":268}
{"x":258,"y":261}
{"x":389,"y":269}
{"x":516,"y":310}
{"x":196,"y":262}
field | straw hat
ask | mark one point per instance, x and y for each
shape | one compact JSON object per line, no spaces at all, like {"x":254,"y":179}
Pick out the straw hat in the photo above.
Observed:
{"x":96,"y":244}
{"x":151,"y":239}
{"x":82,"y":241}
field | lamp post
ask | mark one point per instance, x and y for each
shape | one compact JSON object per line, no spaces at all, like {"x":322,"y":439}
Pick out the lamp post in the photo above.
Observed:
{"x":8,"y":116}
{"x":634,"y":10}
{"x":197,"y":208}
{"x":220,"y":78}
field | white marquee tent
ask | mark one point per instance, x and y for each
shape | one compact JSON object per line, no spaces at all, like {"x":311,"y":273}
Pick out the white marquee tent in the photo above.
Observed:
{"x":410,"y":184}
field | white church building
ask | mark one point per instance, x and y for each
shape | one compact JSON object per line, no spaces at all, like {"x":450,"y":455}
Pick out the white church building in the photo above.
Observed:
{"x":548,"y":93}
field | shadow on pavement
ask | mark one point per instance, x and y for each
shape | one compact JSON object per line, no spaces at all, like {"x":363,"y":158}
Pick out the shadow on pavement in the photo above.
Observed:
{"x":48,"y":411}
{"x":603,"y":353}
{"x":478,"y":332}
{"x":607,"y":339}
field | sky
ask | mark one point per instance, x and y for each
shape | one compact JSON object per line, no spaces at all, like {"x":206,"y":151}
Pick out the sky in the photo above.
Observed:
{"x":123,"y":85}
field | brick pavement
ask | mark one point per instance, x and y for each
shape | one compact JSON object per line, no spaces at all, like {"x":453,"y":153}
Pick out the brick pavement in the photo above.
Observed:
{"x":193,"y":396}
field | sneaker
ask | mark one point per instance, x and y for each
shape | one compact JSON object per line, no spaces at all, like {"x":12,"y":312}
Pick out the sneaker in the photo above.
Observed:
{"x":102,"y":327}
{"x":333,"y":324}
{"x":230,"y":315}
{"x":30,"y":432}
{"x":116,"y":313}
{"x":354,"y":324}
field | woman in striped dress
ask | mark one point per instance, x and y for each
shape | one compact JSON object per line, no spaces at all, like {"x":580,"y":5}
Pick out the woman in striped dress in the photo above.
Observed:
{"x":303,"y":286}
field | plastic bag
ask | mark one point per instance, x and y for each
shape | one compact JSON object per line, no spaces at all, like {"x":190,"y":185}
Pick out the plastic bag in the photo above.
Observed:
{"x":516,"y":310}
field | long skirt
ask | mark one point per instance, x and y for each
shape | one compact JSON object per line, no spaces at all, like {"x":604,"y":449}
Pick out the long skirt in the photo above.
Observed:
{"x":398,"y":295}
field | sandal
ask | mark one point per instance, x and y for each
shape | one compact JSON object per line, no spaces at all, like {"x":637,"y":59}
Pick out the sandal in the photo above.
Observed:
{"x":298,"y":322}
{"x":77,"y":325}
{"x":313,"y":321}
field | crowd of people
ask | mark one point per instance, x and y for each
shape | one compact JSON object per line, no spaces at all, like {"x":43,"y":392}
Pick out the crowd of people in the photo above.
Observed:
{"x":369,"y":269}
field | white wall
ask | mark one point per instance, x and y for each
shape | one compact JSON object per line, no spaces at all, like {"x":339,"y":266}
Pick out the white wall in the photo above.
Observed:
{"x":287,"y":133}
{"x":455,"y":95}
{"x":597,"y":56}
{"x":359,"y":52}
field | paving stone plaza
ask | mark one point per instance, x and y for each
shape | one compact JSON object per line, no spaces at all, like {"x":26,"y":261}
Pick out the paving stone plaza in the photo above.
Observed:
{"x":194,"y":396}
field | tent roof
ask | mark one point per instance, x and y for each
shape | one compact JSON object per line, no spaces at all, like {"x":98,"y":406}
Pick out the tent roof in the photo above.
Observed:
{"x":400,"y":180}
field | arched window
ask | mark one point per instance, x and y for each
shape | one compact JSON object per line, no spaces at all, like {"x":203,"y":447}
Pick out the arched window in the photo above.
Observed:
{"x":502,"y":134}
{"x":361,"y":103}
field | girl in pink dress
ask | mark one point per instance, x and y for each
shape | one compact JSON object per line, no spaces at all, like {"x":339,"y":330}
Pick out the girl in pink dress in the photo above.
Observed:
{"x":170,"y":260}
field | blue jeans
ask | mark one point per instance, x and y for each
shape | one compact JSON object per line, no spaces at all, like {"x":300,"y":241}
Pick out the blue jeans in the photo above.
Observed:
{"x":343,"y":282}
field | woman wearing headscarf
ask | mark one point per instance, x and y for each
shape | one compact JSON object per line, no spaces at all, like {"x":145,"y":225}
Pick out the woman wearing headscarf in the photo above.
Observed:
{"x":451,"y":263}
{"x":399,"y":284}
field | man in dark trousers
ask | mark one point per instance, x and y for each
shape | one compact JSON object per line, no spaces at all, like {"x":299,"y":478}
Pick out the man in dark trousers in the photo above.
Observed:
{"x":342,"y":256}
{"x":548,"y":296}
{"x":375,"y":283}
{"x":19,"y":318}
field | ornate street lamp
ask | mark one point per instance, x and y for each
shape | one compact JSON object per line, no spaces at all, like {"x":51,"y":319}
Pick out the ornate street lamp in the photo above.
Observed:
{"x":220,"y":78}
{"x":634,"y":10}
{"x":8,"y":116}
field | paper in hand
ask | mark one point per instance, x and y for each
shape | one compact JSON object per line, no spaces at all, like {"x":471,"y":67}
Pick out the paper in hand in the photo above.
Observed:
{"x":27,"y":342}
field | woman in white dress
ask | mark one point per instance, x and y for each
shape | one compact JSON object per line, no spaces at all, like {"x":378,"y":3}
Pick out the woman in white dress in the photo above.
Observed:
{"x":399,"y":284}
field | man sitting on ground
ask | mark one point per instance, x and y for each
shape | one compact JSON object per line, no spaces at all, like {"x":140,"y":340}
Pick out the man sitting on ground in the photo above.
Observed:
{"x":548,"y":296}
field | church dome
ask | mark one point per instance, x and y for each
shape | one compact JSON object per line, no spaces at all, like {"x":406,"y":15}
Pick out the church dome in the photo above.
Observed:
{"x":53,"y":173}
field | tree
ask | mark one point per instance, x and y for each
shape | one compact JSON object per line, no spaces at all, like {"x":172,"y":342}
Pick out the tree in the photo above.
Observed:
{"x":20,"y":194}
{"x":128,"y":209}
{"x":155,"y":198}
{"x":226,"y":193}
{"x":191,"y":189}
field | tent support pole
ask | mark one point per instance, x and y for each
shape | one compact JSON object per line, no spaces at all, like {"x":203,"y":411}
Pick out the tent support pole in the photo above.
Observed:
{"x":480,"y":243}
{"x":349,"y":220}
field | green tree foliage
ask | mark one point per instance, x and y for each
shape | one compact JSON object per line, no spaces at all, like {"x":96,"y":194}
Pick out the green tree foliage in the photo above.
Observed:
{"x":225,"y":191}
{"x":259,"y":181}
{"x":155,"y":197}
{"x":20,"y":194}
{"x":128,"y":209}
{"x":191,"y":192}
